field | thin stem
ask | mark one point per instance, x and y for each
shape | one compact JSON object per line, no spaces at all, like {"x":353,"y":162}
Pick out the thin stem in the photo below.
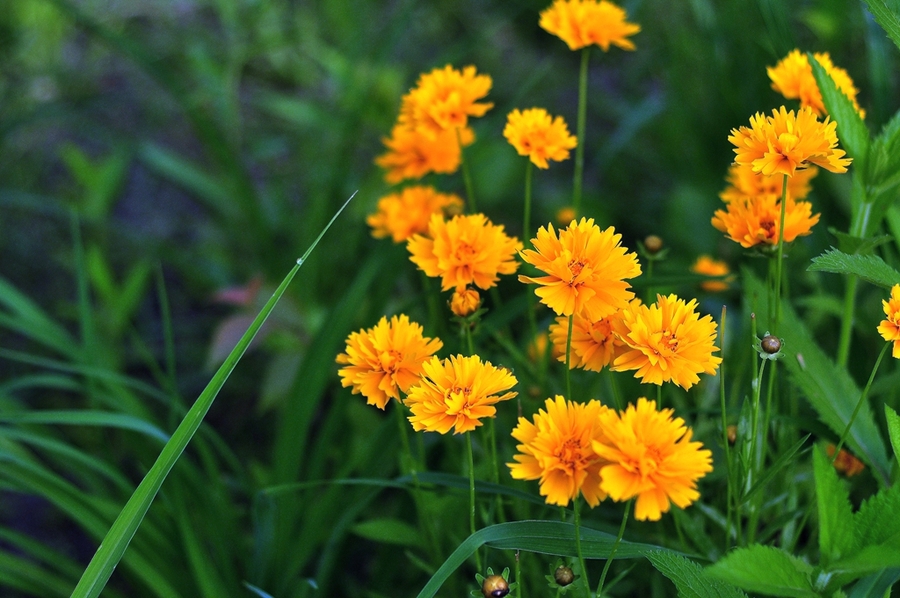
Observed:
{"x":612,"y":553}
{"x":777,"y":314}
{"x":496,"y":468}
{"x":859,"y":404}
{"x":526,"y":226}
{"x":725,"y":444}
{"x":584,"y":572}
{"x":472,"y":496}
{"x":519,"y":583}
{"x":754,"y":448}
{"x":582,"y":120}
{"x":467,"y":178}
{"x":569,"y":359}
{"x":847,"y":321}
{"x":409,"y":465}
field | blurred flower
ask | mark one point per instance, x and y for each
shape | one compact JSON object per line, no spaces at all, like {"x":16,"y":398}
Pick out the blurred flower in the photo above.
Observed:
{"x":400,"y":215}
{"x":581,"y":23}
{"x":889,"y":329}
{"x":594,"y":346}
{"x":538,"y":346}
{"x":709,"y":267}
{"x":793,"y":78}
{"x":845,"y":462}
{"x":444,"y":99}
{"x":557,"y":449}
{"x":785,"y":142}
{"x":744,"y":183}
{"x":385,"y":360}
{"x":666,"y":342}
{"x":535,"y":134}
{"x":464,"y":250}
{"x":456,"y":393}
{"x":754,"y":221}
{"x":412,"y":154}
{"x":650,"y":456}
{"x":464,"y":301}
{"x":565,"y":216}
{"x":586,"y":269}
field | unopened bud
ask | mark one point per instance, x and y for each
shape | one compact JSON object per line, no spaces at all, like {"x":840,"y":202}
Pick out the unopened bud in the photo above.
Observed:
{"x":563,"y":575}
{"x":494,"y":586}
{"x":653,"y":244}
{"x":770,"y":344}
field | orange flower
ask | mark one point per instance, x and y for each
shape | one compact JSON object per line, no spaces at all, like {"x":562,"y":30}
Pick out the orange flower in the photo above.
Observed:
{"x":535,"y":134}
{"x":650,"y":456}
{"x":564,"y":216}
{"x":412,"y":154}
{"x":586,"y":269}
{"x":785,"y":142}
{"x":581,"y":23}
{"x":845,"y":462}
{"x":754,"y":221}
{"x":594,"y":345}
{"x":707,"y":266}
{"x":385,"y":360}
{"x":456,"y":393}
{"x":465,"y":301}
{"x":401,"y":215}
{"x":465,"y":250}
{"x":666,"y":342}
{"x":744,"y":183}
{"x":889,"y":329}
{"x":793,"y":78}
{"x":444,"y":99}
{"x":558,"y":450}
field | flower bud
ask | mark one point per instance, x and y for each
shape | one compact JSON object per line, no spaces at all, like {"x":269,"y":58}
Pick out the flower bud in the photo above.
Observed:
{"x":494,"y":586}
{"x":464,"y":302}
{"x":563,"y":575}
{"x":770,"y":344}
{"x":653,"y":244}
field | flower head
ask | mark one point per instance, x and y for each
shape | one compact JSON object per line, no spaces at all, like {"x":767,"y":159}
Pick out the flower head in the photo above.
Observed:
{"x":581,"y":23}
{"x":666,"y":342}
{"x":534,"y":133}
{"x":785,"y":142}
{"x":793,"y":78}
{"x":465,"y":301}
{"x":412,"y":154}
{"x":710,"y":267}
{"x":744,"y":183}
{"x":401,"y":215}
{"x":456,"y":393}
{"x":385,"y":360}
{"x":464,"y":250}
{"x":586,"y":269}
{"x":754,"y":221}
{"x":889,"y":329}
{"x":594,"y":345}
{"x":650,"y":456}
{"x":444,"y":99}
{"x":557,"y":449}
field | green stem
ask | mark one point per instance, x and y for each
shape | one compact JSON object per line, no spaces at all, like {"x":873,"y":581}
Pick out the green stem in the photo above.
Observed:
{"x":777,"y":313}
{"x":847,"y":321}
{"x":472,"y":496}
{"x":612,"y":553}
{"x":754,"y":447}
{"x":496,"y":468}
{"x":529,"y":173}
{"x":467,"y":178}
{"x":725,"y":444}
{"x":519,"y":583}
{"x":584,"y":572}
{"x":859,"y":404}
{"x":569,"y":359}
{"x":582,"y":120}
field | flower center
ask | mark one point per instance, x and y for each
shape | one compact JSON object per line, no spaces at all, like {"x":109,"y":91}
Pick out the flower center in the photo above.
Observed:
{"x":570,"y":455}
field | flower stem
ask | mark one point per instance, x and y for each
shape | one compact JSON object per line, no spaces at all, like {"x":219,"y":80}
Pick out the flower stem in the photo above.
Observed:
{"x":467,"y":178}
{"x":569,"y":358}
{"x":754,"y":447}
{"x":725,"y":444}
{"x":777,"y":314}
{"x":847,"y":321}
{"x":859,"y":404}
{"x":584,"y":572}
{"x":582,"y":120}
{"x":526,"y":226}
{"x":612,"y":553}
{"x":472,"y":496}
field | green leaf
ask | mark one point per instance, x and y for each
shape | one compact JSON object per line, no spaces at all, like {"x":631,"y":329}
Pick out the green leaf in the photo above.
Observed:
{"x":850,"y":244}
{"x":893,"y":425}
{"x":868,"y":267}
{"x":887,"y":14}
{"x":835,"y":511}
{"x":690,"y":579}
{"x":883,"y":165}
{"x":875,"y":585}
{"x":86,"y":418}
{"x":851,"y":130}
{"x":765,"y":570}
{"x":788,"y":456}
{"x":388,"y":531}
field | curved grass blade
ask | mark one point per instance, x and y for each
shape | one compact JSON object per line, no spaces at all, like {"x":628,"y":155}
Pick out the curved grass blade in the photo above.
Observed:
{"x":86,"y":418}
{"x":113,"y":546}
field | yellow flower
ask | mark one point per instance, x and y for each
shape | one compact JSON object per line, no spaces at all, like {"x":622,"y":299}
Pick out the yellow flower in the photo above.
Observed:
{"x":594,"y":345}
{"x":465,"y":301}
{"x":385,"y":360}
{"x":754,"y":221}
{"x":401,"y":215}
{"x":465,"y":250}
{"x":710,"y":267}
{"x":744,"y":183}
{"x":444,"y":99}
{"x":535,"y":134}
{"x":412,"y":154}
{"x":456,"y":393}
{"x":666,"y":342}
{"x":558,"y":450}
{"x":889,"y":328}
{"x":581,"y":23}
{"x":793,"y":78}
{"x":586,"y":269}
{"x":564,"y":216}
{"x":785,"y":142}
{"x":651,"y":457}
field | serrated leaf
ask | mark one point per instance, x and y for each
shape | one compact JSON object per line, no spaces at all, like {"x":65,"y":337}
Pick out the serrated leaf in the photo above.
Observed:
{"x":888,"y":16}
{"x":893,"y":425}
{"x":868,"y":267}
{"x":388,"y":531}
{"x":690,"y":579}
{"x":765,"y":570}
{"x":851,"y":245}
{"x":876,"y":537}
{"x":835,"y":512}
{"x":883,"y":164}
{"x":851,"y":130}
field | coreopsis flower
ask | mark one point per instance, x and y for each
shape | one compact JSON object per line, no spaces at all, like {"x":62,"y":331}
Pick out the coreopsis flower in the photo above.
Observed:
{"x":581,"y":23}
{"x":650,"y":457}
{"x":444,"y":99}
{"x":557,"y":449}
{"x":744,"y":183}
{"x":465,"y":301}
{"x":889,"y":328}
{"x":401,"y":215}
{"x":534,"y":133}
{"x":845,"y":462}
{"x":464,"y":250}
{"x":793,"y":78}
{"x":709,"y":267}
{"x":787,"y":141}
{"x":586,"y":269}
{"x":412,"y":153}
{"x":754,"y":221}
{"x":457,"y":393}
{"x":594,"y":345}
{"x":666,"y":342}
{"x":384,"y":361}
